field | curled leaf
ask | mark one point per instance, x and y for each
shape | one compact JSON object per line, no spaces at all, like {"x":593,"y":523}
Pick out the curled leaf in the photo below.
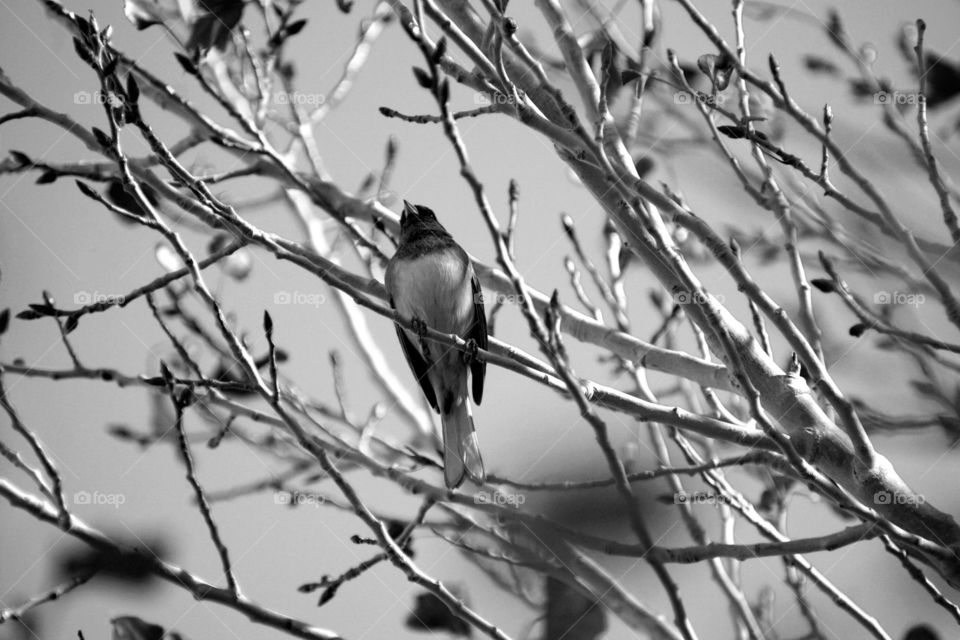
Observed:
{"x":858,"y":329}
{"x":644,"y":165}
{"x":213,"y":28}
{"x":118,"y":195}
{"x":835,"y":29}
{"x":28,"y":314}
{"x":423,"y":78}
{"x":943,"y":79}
{"x":133,"y":628}
{"x":719,"y":68}
{"x":146,"y":13}
{"x":732,"y":131}
{"x":188,"y":65}
{"x":570,"y":614}
{"x":432,"y":614}
{"x":102,"y":138}
{"x":71,"y":324}
{"x":133,"y":89}
{"x":295,"y":27}
{"x":22,"y":159}
{"x":820,"y":65}
{"x":47,"y":177}
{"x":824,"y":284}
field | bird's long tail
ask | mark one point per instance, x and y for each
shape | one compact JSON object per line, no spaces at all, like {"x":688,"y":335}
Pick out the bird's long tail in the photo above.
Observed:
{"x":461,"y":451}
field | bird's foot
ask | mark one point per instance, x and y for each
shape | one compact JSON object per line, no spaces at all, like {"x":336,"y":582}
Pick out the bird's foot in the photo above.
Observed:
{"x":471,"y":351}
{"x":420,"y":328}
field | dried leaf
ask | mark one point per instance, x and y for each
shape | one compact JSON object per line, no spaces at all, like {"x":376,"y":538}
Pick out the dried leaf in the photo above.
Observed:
{"x":432,"y":614}
{"x":943,"y":79}
{"x":862,"y":88}
{"x":629,"y":75}
{"x":859,"y":329}
{"x":719,"y":68}
{"x":110,"y":67}
{"x":102,"y":138}
{"x":644,"y":165}
{"x":571,"y":615}
{"x":824,"y":284}
{"x":21,"y":158}
{"x":146,"y":13}
{"x":732,"y":131}
{"x":47,"y":177}
{"x":295,"y":27}
{"x":394,"y":529}
{"x":817,"y":64}
{"x":44,"y":309}
{"x":133,"y":89}
{"x":71,"y":324}
{"x":267,"y":322}
{"x":28,"y":314}
{"x":835,"y":29}
{"x":133,"y":628}
{"x":423,"y":78}
{"x":213,"y":29}
{"x":86,"y":190}
{"x":188,"y":65}
{"x":83,"y":51}
{"x":921,"y":632}
{"x":441,"y":50}
{"x":328,"y":594}
{"x":118,"y":195}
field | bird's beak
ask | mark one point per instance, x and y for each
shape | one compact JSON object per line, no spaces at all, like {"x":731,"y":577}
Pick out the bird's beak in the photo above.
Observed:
{"x":409,"y":209}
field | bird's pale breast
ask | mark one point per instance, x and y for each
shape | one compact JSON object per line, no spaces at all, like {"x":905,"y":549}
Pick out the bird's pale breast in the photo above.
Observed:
{"x":436,"y":288}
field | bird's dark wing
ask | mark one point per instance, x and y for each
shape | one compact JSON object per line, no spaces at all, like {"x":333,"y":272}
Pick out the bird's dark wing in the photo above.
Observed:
{"x":417,"y":364}
{"x":478,"y":332}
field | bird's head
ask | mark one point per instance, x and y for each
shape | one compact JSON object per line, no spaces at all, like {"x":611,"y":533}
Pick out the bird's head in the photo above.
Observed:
{"x":417,"y":219}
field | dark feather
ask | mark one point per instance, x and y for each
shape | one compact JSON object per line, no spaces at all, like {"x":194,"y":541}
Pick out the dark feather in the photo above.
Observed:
{"x":417,"y":364}
{"x":478,"y":333}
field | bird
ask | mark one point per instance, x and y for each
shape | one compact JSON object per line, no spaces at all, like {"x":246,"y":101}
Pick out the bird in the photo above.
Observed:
{"x":431,"y":280}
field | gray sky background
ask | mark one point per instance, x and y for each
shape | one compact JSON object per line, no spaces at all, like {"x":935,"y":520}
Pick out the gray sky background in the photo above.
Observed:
{"x":52,"y":238}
